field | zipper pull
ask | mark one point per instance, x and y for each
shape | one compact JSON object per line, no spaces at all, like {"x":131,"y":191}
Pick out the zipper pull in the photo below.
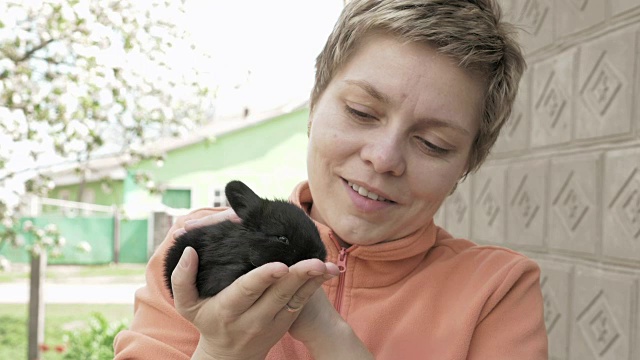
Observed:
{"x":342,"y":260}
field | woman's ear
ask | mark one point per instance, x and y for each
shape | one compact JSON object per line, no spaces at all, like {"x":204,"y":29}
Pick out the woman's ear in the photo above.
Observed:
{"x":241,"y":198}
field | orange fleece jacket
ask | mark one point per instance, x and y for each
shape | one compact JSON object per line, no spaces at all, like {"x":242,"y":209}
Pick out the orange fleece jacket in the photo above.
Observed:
{"x":427,"y":296}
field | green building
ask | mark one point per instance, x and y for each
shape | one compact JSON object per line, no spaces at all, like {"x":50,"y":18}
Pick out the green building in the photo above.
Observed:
{"x":267,"y":152}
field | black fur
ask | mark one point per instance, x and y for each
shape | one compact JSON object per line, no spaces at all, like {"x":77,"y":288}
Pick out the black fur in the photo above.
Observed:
{"x":270,"y":231}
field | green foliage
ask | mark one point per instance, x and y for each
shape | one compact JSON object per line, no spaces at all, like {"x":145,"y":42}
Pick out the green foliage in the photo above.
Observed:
{"x":94,"y":342}
{"x":13,"y":335}
{"x":59,"y":320}
{"x":81,"y":79}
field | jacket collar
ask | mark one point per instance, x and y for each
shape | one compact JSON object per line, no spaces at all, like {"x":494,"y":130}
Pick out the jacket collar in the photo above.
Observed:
{"x":386,"y":263}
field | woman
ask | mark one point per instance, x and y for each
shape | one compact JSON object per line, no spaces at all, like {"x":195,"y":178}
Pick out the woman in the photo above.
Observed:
{"x":409,"y":97}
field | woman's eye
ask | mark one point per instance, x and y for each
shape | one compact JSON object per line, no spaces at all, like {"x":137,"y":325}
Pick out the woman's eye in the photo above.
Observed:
{"x":358,"y":113}
{"x":431,"y":147}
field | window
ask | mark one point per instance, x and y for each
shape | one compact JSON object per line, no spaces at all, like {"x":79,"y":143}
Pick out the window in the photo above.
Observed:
{"x":219,"y":198}
{"x":177,"y":198}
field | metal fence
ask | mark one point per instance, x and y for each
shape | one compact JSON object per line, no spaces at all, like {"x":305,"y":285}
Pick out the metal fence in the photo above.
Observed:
{"x":111,"y":238}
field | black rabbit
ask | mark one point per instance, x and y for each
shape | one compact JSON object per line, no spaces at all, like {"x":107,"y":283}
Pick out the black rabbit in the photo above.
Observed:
{"x":270,"y":231}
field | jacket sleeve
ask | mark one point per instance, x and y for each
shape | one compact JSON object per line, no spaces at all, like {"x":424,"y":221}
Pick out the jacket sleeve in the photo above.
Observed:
{"x":158,"y":331}
{"x":512,"y":326}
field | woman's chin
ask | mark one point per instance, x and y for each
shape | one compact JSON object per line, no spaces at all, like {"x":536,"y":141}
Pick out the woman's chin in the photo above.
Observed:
{"x":353,"y":238}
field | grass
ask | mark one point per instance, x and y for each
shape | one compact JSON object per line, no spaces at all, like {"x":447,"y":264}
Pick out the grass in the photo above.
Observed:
{"x":59,"y":318}
{"x":6,"y":277}
{"x":111,"y":270}
{"x":64,"y":272}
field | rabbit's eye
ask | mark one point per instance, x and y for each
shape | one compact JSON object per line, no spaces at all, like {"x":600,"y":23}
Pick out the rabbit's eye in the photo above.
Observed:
{"x":282,"y":239}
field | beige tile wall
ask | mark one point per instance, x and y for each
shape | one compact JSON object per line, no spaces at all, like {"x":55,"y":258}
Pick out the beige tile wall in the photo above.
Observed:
{"x":563,"y":183}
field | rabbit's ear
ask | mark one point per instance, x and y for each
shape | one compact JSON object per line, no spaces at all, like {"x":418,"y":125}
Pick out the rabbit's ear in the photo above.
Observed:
{"x":241,"y":198}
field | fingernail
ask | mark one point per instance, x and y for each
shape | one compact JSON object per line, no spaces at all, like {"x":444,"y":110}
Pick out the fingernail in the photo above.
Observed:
{"x":314,"y":273}
{"x":328,"y":276}
{"x":179,"y":233}
{"x":185,"y":259}
{"x":191,"y":222}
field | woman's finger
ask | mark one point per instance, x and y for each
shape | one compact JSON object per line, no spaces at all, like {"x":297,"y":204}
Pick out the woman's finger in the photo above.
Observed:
{"x":212,"y":219}
{"x":304,"y":293}
{"x":277,"y":296}
{"x":183,"y":284}
{"x":238,"y":297}
{"x":218,"y":217}
{"x":179,"y":232}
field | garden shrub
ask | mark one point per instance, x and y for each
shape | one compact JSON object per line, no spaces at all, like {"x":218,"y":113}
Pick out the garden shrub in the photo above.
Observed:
{"x":94,"y":342}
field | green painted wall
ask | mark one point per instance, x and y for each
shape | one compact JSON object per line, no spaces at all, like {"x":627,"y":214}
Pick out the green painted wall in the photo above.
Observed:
{"x":133,"y":241}
{"x":97,"y":231}
{"x":270,"y":157}
{"x":114,"y":197}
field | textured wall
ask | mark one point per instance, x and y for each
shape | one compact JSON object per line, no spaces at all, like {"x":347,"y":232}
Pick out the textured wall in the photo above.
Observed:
{"x":563,"y":183}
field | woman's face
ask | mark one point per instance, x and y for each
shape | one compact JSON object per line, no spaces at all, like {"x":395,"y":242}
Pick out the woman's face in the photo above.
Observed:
{"x":395,"y":123}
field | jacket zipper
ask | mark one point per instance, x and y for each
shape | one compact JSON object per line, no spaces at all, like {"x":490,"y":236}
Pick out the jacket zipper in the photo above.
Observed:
{"x":342,"y":266}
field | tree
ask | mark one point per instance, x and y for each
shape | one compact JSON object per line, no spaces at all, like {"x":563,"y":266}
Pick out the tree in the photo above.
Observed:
{"x":85,"y":78}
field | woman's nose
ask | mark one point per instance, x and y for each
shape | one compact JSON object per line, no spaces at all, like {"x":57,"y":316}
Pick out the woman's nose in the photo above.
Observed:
{"x":385,"y":154}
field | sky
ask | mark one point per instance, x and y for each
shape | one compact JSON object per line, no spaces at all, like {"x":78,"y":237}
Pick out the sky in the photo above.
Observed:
{"x":263,"y":54}
{"x":276,"y":40}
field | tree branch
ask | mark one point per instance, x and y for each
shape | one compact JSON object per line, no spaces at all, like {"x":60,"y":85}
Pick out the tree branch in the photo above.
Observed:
{"x":29,"y":53}
{"x":52,"y":61}
{"x":11,"y":56}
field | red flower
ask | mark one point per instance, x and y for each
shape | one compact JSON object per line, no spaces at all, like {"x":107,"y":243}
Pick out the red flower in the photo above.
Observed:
{"x":61,"y":348}
{"x":44,"y":347}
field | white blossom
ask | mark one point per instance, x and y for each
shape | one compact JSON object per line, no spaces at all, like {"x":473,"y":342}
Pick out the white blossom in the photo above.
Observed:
{"x":84,"y":246}
{"x":61,"y":241}
{"x":55,"y":252}
{"x":27,"y":225}
{"x":5,"y":265}
{"x":36,"y":249}
{"x":18,"y":241}
{"x":101,"y":77}
{"x":47,"y":241}
{"x":51,"y":228}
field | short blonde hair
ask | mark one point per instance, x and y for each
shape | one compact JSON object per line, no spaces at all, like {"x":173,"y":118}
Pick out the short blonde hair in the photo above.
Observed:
{"x":471,"y":32}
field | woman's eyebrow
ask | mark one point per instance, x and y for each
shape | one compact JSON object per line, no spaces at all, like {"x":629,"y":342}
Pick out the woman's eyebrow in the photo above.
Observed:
{"x":370,"y":89}
{"x":376,"y":94}
{"x":448,"y":124}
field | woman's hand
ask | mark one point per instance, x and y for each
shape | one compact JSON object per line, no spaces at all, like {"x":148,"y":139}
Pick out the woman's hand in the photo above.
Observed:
{"x":317,"y":316}
{"x":248,"y":317}
{"x":212,"y":219}
{"x":325,"y":333}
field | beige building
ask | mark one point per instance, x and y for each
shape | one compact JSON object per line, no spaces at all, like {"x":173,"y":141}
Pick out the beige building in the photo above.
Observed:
{"x":563,"y":184}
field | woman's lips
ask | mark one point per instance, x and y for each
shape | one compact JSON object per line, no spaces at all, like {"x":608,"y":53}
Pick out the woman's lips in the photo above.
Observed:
{"x":364,"y":203}
{"x":365,"y":192}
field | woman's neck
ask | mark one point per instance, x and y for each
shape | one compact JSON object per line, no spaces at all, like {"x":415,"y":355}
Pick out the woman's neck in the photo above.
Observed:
{"x":316,"y":216}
